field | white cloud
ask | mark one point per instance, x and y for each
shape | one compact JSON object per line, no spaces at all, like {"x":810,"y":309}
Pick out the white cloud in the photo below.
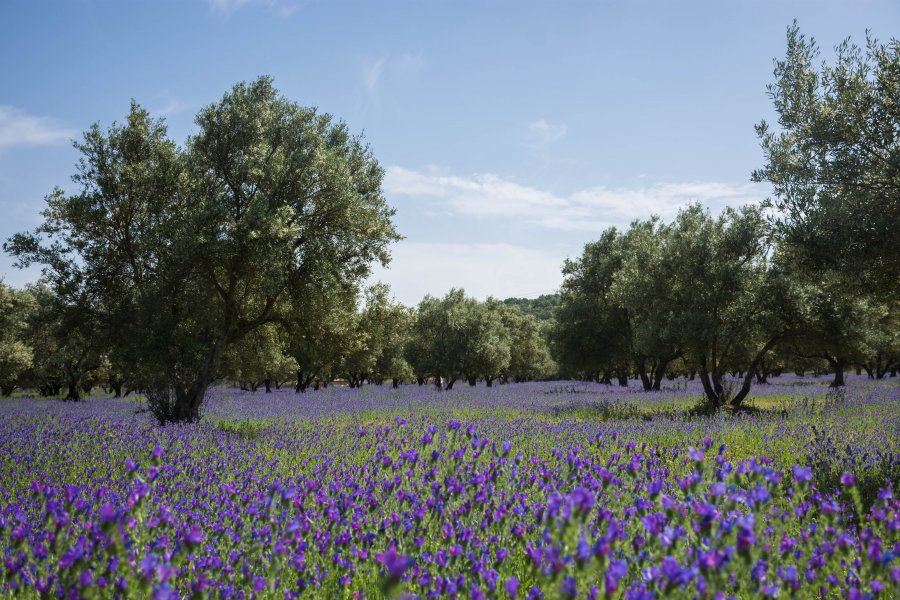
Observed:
{"x":225,"y":8}
{"x":376,"y":72}
{"x":488,"y":195}
{"x":18,"y":128}
{"x":372,"y":73}
{"x":499,"y":270}
{"x":541,"y":133}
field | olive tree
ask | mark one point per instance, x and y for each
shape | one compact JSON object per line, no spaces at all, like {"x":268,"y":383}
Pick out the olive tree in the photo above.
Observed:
{"x":591,"y":335}
{"x":734,"y":305}
{"x":185,"y":250}
{"x":321,"y":328}
{"x":458,"y":337}
{"x":529,"y":351}
{"x":640,"y":289}
{"x":834,"y":159}
{"x":16,"y":355}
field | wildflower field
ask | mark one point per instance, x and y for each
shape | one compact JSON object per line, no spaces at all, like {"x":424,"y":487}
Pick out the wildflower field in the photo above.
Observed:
{"x":540,"y":490}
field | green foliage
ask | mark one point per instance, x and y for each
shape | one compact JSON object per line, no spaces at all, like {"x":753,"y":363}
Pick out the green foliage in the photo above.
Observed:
{"x":591,"y":333}
{"x":185,"y":251}
{"x":542,"y":307}
{"x":389,"y":324}
{"x":259,"y":358}
{"x":834,"y":163}
{"x":734,"y":307}
{"x":67,"y":350}
{"x":641,"y":290}
{"x":699,"y":292}
{"x":458,"y":337}
{"x":15,"y":355}
{"x":529,"y":352}
{"x":320,"y":329}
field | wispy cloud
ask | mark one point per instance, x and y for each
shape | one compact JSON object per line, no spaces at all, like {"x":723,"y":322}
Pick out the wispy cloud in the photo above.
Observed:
{"x":376,"y":71}
{"x":500,"y":270}
{"x":488,"y":195}
{"x":281,"y":8}
{"x":18,"y":128}
{"x":541,"y":134}
{"x":372,"y":74}
{"x":164,"y":104}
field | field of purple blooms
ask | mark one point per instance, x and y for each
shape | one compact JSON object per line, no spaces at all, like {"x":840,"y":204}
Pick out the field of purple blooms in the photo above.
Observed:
{"x":541,"y":490}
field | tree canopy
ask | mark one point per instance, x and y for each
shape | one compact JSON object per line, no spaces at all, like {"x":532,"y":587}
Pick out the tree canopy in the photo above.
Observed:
{"x":834,"y":160}
{"x":184,"y":251}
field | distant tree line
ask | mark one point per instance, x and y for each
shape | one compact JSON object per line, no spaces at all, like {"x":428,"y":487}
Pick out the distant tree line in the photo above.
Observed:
{"x":50,"y":347}
{"x":713,"y":297}
{"x":240,"y":255}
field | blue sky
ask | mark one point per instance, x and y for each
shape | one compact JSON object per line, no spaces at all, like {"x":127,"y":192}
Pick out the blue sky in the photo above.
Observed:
{"x":511,"y":132}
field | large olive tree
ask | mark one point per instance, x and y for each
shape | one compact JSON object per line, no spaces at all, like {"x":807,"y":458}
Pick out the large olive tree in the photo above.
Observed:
{"x":834,"y":159}
{"x":734,"y":305}
{"x":185,"y":250}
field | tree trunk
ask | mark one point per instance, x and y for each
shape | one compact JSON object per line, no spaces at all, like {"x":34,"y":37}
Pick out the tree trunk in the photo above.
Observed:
{"x":744,"y":391}
{"x":299,"y":387}
{"x":395,"y":383}
{"x":420,"y":381}
{"x":179,"y":403}
{"x":74,"y":393}
{"x":622,"y":376}
{"x":117,"y":390}
{"x":838,"y":365}
{"x":748,"y":378}
{"x":268,"y":383}
{"x":450,"y":383}
{"x":642,"y":374}
{"x":712,"y":397}
{"x":187,"y":403}
{"x":7,"y":390}
{"x":489,"y":381}
{"x":657,"y":378}
{"x":472,"y":381}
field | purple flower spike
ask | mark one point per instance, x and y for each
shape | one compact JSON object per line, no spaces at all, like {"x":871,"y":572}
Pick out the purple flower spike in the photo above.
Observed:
{"x":802,"y":474}
{"x":395,"y":563}
{"x":848,"y":479}
{"x":193,"y":536}
{"x":512,"y":586}
{"x":158,"y":453}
